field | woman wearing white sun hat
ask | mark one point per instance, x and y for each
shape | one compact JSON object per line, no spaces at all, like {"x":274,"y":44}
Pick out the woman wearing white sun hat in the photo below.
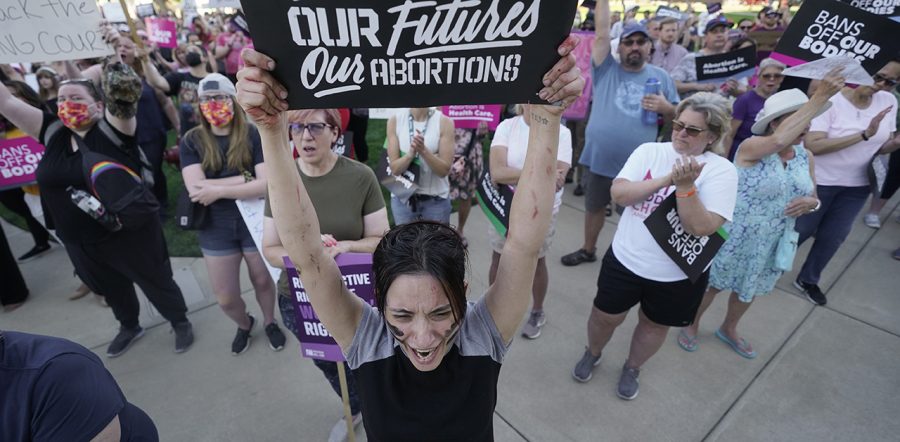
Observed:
{"x":776,"y":184}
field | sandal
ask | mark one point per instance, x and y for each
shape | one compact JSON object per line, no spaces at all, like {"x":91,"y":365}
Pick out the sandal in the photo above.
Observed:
{"x":741,"y":347}
{"x":687,"y":343}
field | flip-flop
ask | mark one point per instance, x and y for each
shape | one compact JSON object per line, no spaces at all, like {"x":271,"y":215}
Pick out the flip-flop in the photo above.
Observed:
{"x":740,"y":348}
{"x":686,"y":342}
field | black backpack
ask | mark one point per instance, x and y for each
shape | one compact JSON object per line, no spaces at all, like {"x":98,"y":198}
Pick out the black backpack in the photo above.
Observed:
{"x":122,"y":191}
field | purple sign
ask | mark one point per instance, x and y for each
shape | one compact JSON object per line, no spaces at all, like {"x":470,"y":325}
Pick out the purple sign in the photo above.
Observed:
{"x":470,"y":116}
{"x":315,"y":341}
{"x":19,"y":158}
{"x":162,"y":31}
{"x":579,"y":109}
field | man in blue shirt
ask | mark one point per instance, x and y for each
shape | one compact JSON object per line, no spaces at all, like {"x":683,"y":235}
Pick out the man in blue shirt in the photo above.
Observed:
{"x":615,"y":127}
{"x":52,"y":389}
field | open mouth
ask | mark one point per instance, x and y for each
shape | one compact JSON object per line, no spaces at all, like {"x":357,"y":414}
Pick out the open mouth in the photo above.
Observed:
{"x":308,"y":149}
{"x":424,"y":356}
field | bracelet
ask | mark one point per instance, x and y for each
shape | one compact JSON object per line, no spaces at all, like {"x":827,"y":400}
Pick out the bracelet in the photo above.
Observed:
{"x":686,"y":195}
{"x":818,"y":206}
{"x":863,"y":135}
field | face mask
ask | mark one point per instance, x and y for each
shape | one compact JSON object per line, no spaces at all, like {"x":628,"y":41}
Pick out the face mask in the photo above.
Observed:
{"x":74,"y":115}
{"x":218,"y":114}
{"x":193,"y":59}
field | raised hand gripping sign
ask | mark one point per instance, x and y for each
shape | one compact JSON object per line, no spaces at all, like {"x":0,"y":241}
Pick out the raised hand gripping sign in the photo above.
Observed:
{"x":399,"y":53}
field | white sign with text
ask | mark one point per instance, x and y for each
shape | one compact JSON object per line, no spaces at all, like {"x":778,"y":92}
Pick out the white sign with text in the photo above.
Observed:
{"x":50,"y":30}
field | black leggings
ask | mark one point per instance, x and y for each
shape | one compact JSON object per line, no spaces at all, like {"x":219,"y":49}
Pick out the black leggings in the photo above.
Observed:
{"x":14,"y":200}
{"x":892,"y":179}
{"x":112,"y":267}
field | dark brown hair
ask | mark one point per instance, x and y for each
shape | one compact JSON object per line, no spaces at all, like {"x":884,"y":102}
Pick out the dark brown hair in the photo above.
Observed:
{"x":422,"y":248}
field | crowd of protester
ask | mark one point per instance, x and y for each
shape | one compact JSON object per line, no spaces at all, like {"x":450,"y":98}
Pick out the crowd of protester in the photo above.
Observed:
{"x":761,"y":156}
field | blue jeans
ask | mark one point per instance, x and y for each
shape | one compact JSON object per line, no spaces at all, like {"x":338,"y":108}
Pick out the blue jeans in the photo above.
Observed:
{"x":830,"y":225}
{"x":431,"y":209}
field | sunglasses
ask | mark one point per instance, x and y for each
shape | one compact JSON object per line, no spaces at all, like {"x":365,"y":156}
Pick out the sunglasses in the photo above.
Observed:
{"x":746,"y":28}
{"x":636,"y":41}
{"x":692,"y":131}
{"x":771,"y":76}
{"x":882,"y":79}
{"x":315,"y":129}
{"x":216,"y":98}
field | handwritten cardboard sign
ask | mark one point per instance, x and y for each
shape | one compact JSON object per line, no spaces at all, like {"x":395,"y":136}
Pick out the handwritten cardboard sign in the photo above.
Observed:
{"x":19,"y":158}
{"x":829,"y":28}
{"x":471,"y":116}
{"x":315,"y":341}
{"x":398,"y":53}
{"x":33,"y":31}
{"x":162,"y":31}
{"x":735,"y":64}
{"x":692,"y":254}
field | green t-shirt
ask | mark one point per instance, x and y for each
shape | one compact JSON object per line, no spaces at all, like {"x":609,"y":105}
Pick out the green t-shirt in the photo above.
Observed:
{"x":342,"y":198}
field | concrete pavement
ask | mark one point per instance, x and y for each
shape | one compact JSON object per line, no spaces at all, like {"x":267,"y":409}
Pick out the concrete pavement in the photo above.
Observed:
{"x":823,"y":373}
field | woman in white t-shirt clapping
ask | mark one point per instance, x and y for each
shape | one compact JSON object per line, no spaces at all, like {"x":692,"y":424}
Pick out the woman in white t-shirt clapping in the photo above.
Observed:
{"x":508,"y":149}
{"x":635,"y":269}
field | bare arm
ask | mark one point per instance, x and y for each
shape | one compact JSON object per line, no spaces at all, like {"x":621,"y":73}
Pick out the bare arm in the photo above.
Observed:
{"x":169,"y":109}
{"x":20,"y":113}
{"x":374,"y":226}
{"x":399,"y":163}
{"x":694,"y":217}
{"x":243,"y":190}
{"x":532,"y":206}
{"x":601,"y":34}
{"x":262,"y":97}
{"x":272,"y":249}
{"x":628,"y":193}
{"x":891,"y":145}
{"x":152,"y":75}
{"x":440,"y":163}
{"x":500,"y":172}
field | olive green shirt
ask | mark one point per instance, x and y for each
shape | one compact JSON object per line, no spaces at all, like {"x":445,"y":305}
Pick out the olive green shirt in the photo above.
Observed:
{"x":342,"y":197}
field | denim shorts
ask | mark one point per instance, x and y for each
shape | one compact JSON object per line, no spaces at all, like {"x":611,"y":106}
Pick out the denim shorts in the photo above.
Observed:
{"x":226,"y":236}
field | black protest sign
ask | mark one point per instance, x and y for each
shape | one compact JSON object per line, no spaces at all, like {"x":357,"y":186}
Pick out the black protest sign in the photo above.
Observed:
{"x":829,"y":28}
{"x":402,"y":186}
{"x":344,"y":145}
{"x":691,"y":253}
{"x":495,"y":201}
{"x":735,"y":64}
{"x":396,"y":53}
{"x":886,"y":8}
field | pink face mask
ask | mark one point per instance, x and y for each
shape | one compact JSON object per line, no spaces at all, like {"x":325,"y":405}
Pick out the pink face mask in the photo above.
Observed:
{"x":218,"y":113}
{"x":74,"y":115}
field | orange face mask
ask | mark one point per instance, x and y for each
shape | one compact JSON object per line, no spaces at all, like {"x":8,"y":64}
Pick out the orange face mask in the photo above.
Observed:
{"x":73,"y":115}
{"x":218,"y":113}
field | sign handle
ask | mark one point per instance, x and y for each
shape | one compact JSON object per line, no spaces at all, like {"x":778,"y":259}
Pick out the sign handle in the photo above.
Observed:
{"x":134,"y":36}
{"x":345,"y":395}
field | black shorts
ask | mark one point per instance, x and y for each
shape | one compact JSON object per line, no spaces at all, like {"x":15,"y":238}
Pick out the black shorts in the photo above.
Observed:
{"x":667,"y":303}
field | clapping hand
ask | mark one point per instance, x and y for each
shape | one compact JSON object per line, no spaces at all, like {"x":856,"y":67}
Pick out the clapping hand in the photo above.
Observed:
{"x":685,"y":173}
{"x":876,"y":122}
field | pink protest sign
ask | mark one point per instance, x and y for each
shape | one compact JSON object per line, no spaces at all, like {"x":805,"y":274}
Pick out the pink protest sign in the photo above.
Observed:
{"x":470,"y":116}
{"x":579,"y":109}
{"x":19,"y":159}
{"x":162,"y":31}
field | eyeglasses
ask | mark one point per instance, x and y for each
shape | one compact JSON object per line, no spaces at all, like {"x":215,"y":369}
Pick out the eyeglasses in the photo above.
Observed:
{"x":882,"y":79}
{"x":216,"y":98}
{"x":771,"y":76}
{"x":692,"y":131}
{"x":636,"y":41}
{"x":315,"y":129}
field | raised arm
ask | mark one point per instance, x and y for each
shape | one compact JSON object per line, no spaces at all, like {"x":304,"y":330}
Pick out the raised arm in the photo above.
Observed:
{"x":756,"y":148}
{"x":601,"y":32}
{"x":508,"y":298}
{"x":20,"y":113}
{"x":263,"y":98}
{"x":152,"y":75}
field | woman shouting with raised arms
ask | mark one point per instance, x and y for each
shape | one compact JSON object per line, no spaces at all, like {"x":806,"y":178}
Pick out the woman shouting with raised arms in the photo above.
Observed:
{"x":426,"y":361}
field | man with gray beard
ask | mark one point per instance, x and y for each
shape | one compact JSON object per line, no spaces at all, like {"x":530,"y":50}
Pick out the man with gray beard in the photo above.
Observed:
{"x":615,"y":127}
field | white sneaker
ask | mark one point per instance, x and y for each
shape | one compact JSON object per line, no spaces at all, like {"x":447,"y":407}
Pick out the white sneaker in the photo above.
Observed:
{"x":339,"y":430}
{"x":871,"y":220}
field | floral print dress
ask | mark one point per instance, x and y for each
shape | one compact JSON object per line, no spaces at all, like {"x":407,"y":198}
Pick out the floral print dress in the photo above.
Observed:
{"x":746,"y":263}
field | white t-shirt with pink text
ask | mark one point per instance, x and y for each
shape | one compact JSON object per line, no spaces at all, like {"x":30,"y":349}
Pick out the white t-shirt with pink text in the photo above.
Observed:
{"x":633,"y":244}
{"x":849,"y":167}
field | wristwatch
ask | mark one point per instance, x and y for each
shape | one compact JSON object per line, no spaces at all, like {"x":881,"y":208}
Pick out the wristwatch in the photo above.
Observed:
{"x":818,"y":206}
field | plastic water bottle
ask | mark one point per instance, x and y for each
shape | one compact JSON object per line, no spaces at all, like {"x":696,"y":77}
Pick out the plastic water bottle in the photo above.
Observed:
{"x":93,"y":207}
{"x":651,"y":88}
